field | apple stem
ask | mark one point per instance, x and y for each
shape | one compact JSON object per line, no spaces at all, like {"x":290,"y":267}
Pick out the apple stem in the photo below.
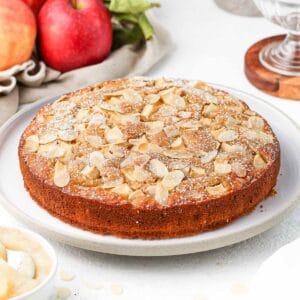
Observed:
{"x":74,"y":4}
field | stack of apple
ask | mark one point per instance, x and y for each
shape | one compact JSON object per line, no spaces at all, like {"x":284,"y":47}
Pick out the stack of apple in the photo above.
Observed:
{"x":69,"y":33}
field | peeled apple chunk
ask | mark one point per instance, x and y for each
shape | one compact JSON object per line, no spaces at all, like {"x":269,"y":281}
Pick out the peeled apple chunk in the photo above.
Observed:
{"x":14,"y":283}
{"x":3,"y":252}
{"x":22,"y":262}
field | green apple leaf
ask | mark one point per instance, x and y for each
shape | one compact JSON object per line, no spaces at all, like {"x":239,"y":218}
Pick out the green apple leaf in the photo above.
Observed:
{"x":130,"y":6}
{"x":130,"y":24}
{"x":139,"y":19}
{"x":124,"y":36}
{"x":145,"y":26}
{"x":133,"y":18}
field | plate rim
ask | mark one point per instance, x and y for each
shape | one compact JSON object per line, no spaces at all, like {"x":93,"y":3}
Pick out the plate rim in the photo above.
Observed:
{"x":137,"y":247}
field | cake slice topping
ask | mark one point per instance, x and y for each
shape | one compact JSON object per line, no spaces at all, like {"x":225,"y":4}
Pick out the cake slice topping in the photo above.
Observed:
{"x":149,"y":139}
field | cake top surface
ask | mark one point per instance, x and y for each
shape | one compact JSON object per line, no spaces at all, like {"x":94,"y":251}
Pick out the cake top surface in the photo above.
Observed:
{"x":149,"y":142}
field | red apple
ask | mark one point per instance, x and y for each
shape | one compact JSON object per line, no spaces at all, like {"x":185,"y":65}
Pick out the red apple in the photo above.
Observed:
{"x":35,"y":5}
{"x":74,"y":33}
{"x":17,"y":33}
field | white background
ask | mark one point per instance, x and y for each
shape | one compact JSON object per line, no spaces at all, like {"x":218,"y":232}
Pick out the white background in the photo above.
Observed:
{"x":209,"y":44}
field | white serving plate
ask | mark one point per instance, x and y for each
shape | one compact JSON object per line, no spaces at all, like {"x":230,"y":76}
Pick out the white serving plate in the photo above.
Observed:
{"x":15,"y":198}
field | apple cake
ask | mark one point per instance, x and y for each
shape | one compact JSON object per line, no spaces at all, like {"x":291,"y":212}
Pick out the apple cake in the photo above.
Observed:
{"x":151,"y":159}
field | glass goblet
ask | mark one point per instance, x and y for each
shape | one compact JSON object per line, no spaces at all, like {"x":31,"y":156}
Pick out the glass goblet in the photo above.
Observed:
{"x":282,"y":57}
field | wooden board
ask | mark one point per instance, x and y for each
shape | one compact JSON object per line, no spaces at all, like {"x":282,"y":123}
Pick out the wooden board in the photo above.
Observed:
{"x":269,"y":82}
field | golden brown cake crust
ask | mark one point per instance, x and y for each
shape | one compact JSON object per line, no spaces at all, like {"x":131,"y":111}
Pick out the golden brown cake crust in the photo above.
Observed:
{"x":94,"y":209}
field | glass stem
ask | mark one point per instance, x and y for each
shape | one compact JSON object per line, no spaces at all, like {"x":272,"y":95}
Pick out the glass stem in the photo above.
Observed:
{"x":289,"y":48}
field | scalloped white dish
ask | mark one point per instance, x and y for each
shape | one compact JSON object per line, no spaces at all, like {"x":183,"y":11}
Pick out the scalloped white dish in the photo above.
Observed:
{"x":16,"y":199}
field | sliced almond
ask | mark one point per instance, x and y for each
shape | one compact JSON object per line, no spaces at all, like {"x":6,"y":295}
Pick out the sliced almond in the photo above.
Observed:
{"x":82,"y":115}
{"x":184,"y":114}
{"x":112,"y":183}
{"x":124,"y":190}
{"x":210,"y":98}
{"x":216,"y":190}
{"x":161,"y":194}
{"x":97,"y":159}
{"x":140,"y":174}
{"x":32,"y":144}
{"x":143,"y":148}
{"x":90,"y":172}
{"x":230,"y":121}
{"x":128,"y":173}
{"x":116,"y":151}
{"x":265,"y":137}
{"x":67,"y":135}
{"x":200,"y":85}
{"x":138,"y":141}
{"x":178,"y":153}
{"x":177,"y":142}
{"x":222,"y":167}
{"x":110,"y":107}
{"x":132,"y":96}
{"x":68,"y":151}
{"x":150,"y":189}
{"x":211,"y":108}
{"x":154,"y":127}
{"x":196,"y":171}
{"x":147,"y":110}
{"x":47,"y":138}
{"x":171,"y":131}
{"x":258,"y":135}
{"x":191,"y":124}
{"x":80,"y":127}
{"x":153,"y":148}
{"x":114,"y":135}
{"x":167,"y":111}
{"x":238,"y":169}
{"x":224,"y":135}
{"x":97,"y":119}
{"x":178,"y":164}
{"x":124,"y":119}
{"x":209,"y":156}
{"x":61,"y":175}
{"x":94,"y":140}
{"x":196,"y":107}
{"x":174,"y":100}
{"x":138,"y":194}
{"x":51,"y":150}
{"x":233,"y":148}
{"x":255,"y":122}
{"x":258,"y":162}
{"x":158,"y":168}
{"x":172,"y":179}
{"x":236,"y":108}
{"x":152,"y":98}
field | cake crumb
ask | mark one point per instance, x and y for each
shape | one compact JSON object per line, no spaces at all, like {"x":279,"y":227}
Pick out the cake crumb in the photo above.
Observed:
{"x":63,"y":293}
{"x":116,"y":289}
{"x":66,"y":276}
{"x":239,"y":289}
{"x":93,"y":285}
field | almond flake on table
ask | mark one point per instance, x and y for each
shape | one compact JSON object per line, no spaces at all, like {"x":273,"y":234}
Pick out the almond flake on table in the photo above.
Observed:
{"x":116,"y":289}
{"x":63,"y":293}
{"x":93,"y":284}
{"x":66,"y":276}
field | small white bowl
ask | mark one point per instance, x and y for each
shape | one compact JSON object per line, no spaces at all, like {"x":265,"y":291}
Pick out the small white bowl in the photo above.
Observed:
{"x":46,"y":287}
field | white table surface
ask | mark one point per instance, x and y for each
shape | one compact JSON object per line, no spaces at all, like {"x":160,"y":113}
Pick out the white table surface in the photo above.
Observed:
{"x":209,"y":44}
